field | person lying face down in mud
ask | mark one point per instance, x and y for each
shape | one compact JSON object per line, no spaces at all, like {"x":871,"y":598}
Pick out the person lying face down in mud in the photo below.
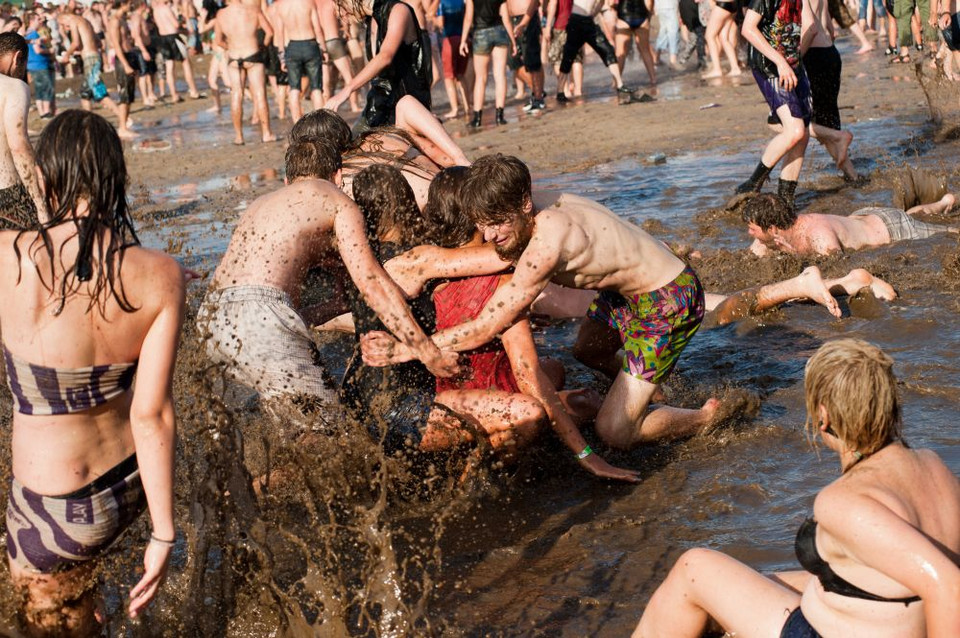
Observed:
{"x":775,"y":226}
{"x":418,"y":145}
{"x":497,"y":381}
{"x":277,"y":240}
{"x":651,"y":303}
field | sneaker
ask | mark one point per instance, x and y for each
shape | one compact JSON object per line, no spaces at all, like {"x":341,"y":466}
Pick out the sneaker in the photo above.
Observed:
{"x":562,"y":98}
{"x":535,"y":104}
{"x":531,"y":105}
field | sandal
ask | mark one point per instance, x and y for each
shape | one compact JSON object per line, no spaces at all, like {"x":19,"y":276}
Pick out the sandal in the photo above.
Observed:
{"x":901,"y":59}
{"x":890,"y":51}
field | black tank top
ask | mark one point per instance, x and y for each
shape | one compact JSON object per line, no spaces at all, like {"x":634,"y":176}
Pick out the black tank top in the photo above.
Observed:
{"x":806,"y":549}
{"x":628,"y":10}
{"x":411,"y":71}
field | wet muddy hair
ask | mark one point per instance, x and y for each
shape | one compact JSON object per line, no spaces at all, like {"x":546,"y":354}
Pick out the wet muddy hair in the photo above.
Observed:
{"x":81,"y":158}
{"x":496,"y":190}
{"x":853,"y":380}
{"x":312,"y":157}
{"x":445,"y":223}
{"x":325,"y":125}
{"x":388,"y":203}
{"x":768,"y":210}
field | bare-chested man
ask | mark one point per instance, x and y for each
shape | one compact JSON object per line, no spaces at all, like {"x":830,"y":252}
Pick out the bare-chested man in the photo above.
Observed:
{"x":236,"y":31}
{"x":83,"y":39}
{"x":20,"y":194}
{"x":172,"y":48}
{"x":774,"y":225}
{"x":118,"y":35}
{"x":337,"y":52}
{"x":250,"y":319}
{"x":143,"y":51}
{"x":298,"y":37}
{"x":650,"y":303}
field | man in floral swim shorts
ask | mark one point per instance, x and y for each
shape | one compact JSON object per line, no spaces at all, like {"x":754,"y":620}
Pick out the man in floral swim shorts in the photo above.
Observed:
{"x":650,"y":303}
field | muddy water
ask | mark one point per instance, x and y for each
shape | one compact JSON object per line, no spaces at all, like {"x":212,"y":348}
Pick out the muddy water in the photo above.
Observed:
{"x":345,"y":542}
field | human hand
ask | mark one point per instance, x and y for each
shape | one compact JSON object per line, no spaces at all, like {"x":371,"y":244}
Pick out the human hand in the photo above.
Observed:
{"x":598,"y":467}
{"x":156,"y":559}
{"x":146,"y":55}
{"x":547,"y":36}
{"x":442,"y":364}
{"x":190,"y":274}
{"x":334,"y":103}
{"x":380,"y":349}
{"x":518,"y":31}
{"x":464,"y":46}
{"x":788,"y":79}
{"x":944,"y":20}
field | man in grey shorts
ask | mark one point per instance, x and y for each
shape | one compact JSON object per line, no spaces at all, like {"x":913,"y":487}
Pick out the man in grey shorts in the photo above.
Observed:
{"x":775,"y":226}
{"x":249,"y":319}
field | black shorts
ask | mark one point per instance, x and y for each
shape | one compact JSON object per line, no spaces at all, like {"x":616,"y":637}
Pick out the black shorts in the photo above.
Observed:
{"x":823,"y":66}
{"x":273,"y":66}
{"x":304,"y":59}
{"x":583,"y":30}
{"x":951,"y":35}
{"x":169,"y":47}
{"x":528,"y":47}
{"x":126,"y":84}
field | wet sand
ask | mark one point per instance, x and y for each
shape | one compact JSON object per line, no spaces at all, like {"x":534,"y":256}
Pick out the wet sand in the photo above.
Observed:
{"x":544,"y":549}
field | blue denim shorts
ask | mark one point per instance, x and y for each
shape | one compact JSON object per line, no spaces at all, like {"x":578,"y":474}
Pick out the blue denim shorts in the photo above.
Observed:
{"x":484,"y":40}
{"x":42,"y":84}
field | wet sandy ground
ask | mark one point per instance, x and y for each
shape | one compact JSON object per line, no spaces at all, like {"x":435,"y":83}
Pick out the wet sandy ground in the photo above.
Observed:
{"x":544,"y":549}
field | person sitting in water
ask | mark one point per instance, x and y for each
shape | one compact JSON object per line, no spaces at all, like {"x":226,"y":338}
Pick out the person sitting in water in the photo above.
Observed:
{"x":418,"y":144}
{"x":881,"y":555}
{"x":775,"y":226}
{"x":90,"y":325}
{"x":304,"y":222}
{"x":401,"y":405}
{"x":651,"y":303}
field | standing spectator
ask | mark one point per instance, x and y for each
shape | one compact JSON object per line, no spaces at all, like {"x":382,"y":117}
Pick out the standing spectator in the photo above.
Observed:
{"x":554,"y":38}
{"x":451,"y":14}
{"x":40,"y":66}
{"x":633,"y":24}
{"x":668,"y":11}
{"x":488,"y":22}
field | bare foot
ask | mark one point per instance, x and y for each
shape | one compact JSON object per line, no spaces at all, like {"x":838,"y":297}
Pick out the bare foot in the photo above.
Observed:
{"x":213,"y":109}
{"x":269,"y":138}
{"x":813,"y":288}
{"x":238,"y":141}
{"x":451,"y":114}
{"x":735,"y":404}
{"x":582,"y":405}
{"x":127,"y":134}
{"x":858,"y":279}
{"x":732,"y":73}
{"x":716,"y":73}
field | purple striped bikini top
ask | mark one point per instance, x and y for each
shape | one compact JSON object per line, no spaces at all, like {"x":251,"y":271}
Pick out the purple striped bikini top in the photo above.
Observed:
{"x":40,"y":390}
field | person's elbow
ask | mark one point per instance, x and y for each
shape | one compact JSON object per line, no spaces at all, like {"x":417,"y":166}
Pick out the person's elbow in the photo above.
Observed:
{"x":156,"y":420}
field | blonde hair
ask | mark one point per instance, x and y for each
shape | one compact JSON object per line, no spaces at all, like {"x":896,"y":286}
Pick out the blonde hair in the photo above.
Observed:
{"x":853,"y":380}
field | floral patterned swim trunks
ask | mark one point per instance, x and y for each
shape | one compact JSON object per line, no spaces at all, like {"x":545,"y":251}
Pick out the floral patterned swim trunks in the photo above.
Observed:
{"x":655,"y":326}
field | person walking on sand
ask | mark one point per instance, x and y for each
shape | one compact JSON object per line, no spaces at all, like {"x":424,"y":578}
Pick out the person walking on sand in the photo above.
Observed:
{"x":336,"y":45}
{"x":773,"y":28}
{"x":650,"y":303}
{"x":172,"y":48}
{"x":235,"y":31}
{"x":298,"y":37}
{"x":118,"y":37}
{"x":21,"y":198}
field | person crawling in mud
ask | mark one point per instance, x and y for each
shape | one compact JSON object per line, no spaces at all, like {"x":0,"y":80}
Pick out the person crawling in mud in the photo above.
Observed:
{"x":650,"y":303}
{"x":775,"y":226}
{"x":249,"y":318}
{"x":417,"y":145}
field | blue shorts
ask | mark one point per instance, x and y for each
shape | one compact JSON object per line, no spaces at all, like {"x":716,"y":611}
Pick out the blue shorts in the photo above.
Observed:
{"x":43,"y":84}
{"x":484,"y":40}
{"x":798,"y":100}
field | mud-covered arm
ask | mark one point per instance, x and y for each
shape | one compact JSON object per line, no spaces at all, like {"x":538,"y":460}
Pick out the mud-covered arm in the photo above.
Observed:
{"x":15,"y":128}
{"x":533,"y":381}
{"x":875,"y":536}
{"x":414,"y":268}
{"x":381,"y":293}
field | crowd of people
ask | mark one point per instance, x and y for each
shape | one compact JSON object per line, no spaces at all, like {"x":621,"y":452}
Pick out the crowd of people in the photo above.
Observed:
{"x":441,"y":260}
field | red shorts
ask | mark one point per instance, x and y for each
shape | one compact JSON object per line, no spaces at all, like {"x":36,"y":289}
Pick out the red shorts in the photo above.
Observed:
{"x":454,"y":64}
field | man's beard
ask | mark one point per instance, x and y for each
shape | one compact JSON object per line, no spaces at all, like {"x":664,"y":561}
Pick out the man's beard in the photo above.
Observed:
{"x":522,"y":232}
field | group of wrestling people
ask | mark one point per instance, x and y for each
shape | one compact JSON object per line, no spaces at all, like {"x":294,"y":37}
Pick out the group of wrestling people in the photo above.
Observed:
{"x":428,"y":242}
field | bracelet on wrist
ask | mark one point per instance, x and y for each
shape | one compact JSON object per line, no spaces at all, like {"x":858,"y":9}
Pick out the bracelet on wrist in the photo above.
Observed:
{"x":160,"y":541}
{"x":587,"y":451}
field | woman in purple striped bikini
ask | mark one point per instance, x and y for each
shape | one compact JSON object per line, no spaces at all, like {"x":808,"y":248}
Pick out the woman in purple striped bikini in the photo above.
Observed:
{"x":90,"y":324}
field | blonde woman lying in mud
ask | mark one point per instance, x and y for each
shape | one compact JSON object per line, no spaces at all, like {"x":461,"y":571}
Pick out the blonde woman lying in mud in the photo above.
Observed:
{"x":775,"y":226}
{"x":881,"y":554}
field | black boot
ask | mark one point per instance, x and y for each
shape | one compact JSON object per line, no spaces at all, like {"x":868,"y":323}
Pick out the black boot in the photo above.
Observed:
{"x":500,"y":119}
{"x":755,"y":183}
{"x":787,"y":192}
{"x":475,"y":122}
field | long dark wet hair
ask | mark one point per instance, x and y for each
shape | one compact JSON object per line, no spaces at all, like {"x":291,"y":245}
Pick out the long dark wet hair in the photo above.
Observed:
{"x":81,"y":158}
{"x":387,"y":202}
{"x":445,"y":223}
